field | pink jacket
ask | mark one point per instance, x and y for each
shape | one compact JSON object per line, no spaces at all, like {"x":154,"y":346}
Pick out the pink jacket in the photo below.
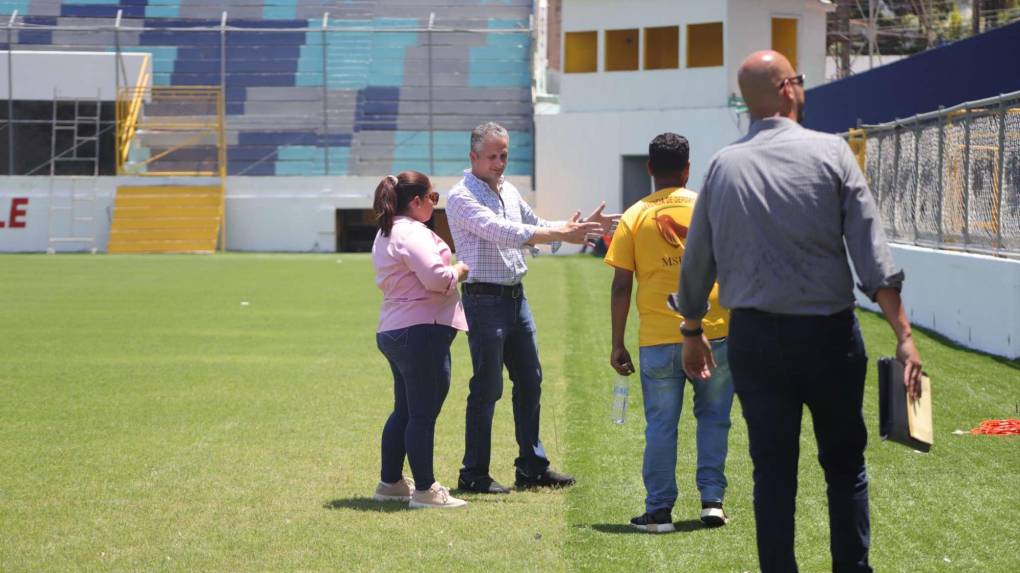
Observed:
{"x":412,"y":268}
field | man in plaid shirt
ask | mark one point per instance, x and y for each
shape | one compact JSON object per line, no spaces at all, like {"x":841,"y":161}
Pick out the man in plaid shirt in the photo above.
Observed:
{"x":491,"y":224}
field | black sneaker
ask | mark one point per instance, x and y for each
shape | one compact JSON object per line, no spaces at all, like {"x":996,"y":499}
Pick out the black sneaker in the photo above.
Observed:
{"x":548,"y":478}
{"x":659,"y":521}
{"x":482,"y":485}
{"x":712,"y":514}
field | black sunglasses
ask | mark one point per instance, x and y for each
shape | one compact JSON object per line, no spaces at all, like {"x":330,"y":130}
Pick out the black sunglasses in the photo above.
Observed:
{"x":796,"y":80}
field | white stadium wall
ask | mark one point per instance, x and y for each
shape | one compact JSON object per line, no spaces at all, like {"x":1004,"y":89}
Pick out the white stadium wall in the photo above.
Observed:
{"x":641,"y":89}
{"x":605,"y":115}
{"x":750,"y":21}
{"x":578,"y":155}
{"x":971,"y":299}
{"x":263,"y":213}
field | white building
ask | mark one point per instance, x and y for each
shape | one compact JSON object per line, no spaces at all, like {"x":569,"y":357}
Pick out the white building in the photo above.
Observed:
{"x":632,"y":70}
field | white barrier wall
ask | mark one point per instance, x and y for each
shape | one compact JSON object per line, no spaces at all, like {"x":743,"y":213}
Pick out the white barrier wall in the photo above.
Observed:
{"x":263,"y":213}
{"x":27,"y":223}
{"x":971,"y":299}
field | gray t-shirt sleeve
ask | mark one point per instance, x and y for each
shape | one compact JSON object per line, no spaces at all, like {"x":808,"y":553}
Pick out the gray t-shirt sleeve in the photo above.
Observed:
{"x":862,"y":230}
{"x":697,"y":269}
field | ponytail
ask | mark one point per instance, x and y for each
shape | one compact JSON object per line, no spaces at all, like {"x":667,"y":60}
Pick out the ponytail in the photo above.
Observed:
{"x":386,"y":204}
{"x":394,"y":193}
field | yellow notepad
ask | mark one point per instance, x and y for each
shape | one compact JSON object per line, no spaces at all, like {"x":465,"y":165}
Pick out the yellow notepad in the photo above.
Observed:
{"x":919,"y":420}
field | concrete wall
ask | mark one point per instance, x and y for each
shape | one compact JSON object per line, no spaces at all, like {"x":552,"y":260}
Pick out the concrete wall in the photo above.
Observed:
{"x":971,"y":299}
{"x":263,"y":213}
{"x":578,"y":155}
{"x":606,"y":115}
{"x":747,"y":28}
{"x":750,"y":30}
{"x":638,"y":90}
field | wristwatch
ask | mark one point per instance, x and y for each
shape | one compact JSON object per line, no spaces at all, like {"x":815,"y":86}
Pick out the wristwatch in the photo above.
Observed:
{"x":691,"y":332}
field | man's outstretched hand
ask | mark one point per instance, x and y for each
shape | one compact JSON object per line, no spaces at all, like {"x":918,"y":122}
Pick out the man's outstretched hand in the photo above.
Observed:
{"x":606,"y":221}
{"x":575,"y":230}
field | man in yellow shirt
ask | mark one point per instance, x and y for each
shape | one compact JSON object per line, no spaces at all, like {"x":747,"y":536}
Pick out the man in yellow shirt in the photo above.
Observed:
{"x":649,"y":243}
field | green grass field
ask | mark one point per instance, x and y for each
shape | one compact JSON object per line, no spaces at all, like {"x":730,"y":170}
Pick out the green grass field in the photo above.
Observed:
{"x":149,"y":421}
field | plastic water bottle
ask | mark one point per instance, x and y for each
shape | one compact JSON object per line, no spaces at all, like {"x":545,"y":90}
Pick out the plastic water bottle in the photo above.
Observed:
{"x":620,"y":391}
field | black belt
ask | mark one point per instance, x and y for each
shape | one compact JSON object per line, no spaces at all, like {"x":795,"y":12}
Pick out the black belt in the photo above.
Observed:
{"x":515,"y":291}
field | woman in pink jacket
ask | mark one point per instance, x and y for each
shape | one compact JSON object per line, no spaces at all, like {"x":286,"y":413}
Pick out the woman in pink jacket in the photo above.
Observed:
{"x":420,"y":316}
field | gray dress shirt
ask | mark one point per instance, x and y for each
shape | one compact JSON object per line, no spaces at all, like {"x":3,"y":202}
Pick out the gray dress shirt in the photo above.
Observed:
{"x":770,"y":224}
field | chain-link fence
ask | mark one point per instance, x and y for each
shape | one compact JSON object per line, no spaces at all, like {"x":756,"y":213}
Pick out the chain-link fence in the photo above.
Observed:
{"x":948,"y":179}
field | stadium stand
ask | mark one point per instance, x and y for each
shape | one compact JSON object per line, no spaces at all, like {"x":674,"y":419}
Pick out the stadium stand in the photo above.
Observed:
{"x":361,"y":96}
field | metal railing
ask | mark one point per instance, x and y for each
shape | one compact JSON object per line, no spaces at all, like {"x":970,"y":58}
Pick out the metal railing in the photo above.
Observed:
{"x":178,"y":130}
{"x":948,"y":179}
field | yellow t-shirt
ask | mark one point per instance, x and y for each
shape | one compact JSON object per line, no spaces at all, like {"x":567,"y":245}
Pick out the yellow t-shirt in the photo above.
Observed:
{"x":649,"y":241}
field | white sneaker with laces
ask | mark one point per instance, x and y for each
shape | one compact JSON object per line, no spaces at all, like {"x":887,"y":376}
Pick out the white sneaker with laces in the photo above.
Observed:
{"x":436,"y":497}
{"x":713,"y":515}
{"x":396,"y":491}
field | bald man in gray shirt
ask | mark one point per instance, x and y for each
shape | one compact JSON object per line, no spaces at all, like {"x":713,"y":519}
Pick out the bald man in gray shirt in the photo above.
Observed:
{"x":770,"y":224}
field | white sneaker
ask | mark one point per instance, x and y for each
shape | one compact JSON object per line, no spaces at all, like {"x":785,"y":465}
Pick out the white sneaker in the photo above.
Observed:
{"x":396,"y":491}
{"x":712,"y":514}
{"x":436,"y":497}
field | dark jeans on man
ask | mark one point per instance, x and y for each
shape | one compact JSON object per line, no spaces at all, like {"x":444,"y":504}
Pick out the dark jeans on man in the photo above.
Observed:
{"x":779,"y":364}
{"x":419,"y":357}
{"x":501,"y":332}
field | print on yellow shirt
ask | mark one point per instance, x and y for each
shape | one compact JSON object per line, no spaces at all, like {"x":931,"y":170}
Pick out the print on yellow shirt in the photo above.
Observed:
{"x":649,"y":241}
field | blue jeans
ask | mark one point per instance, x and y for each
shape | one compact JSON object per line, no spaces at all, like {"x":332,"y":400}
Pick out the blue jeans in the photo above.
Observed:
{"x":501,"y":332}
{"x":662,"y":386}
{"x":419,"y":357}
{"x":780,"y":364}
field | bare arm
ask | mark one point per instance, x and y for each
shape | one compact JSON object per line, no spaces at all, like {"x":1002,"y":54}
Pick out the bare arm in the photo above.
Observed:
{"x":892,"y":307}
{"x":623,"y":285}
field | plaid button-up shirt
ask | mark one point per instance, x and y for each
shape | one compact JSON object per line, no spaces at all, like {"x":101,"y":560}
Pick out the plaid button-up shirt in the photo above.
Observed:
{"x":490,"y":229}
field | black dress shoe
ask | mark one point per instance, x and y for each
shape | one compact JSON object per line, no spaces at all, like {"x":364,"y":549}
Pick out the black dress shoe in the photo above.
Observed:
{"x":548,"y":478}
{"x":482,"y":485}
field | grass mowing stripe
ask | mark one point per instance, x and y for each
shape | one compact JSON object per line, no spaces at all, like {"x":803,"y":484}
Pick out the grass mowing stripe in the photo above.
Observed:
{"x":151,"y":422}
{"x":946,"y":511}
{"x":608,"y":459}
